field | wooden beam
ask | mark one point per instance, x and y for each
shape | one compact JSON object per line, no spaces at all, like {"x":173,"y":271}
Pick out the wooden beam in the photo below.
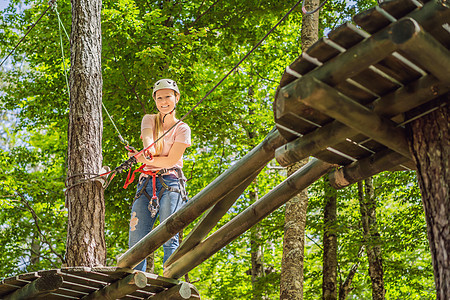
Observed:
{"x":120,"y":288}
{"x":221,"y":186}
{"x":390,"y":105}
{"x":181,"y":291}
{"x":298,"y":181}
{"x":39,"y":287}
{"x":210,"y":219}
{"x":422,"y":48}
{"x":359,"y":170}
{"x":322,"y":97}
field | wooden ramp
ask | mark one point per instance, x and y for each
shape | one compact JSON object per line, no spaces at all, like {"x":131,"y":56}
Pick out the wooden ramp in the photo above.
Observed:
{"x":347,"y":99}
{"x":95,"y":283}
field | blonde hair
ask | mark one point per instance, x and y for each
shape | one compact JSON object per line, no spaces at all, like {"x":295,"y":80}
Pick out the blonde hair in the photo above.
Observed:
{"x":159,"y":145}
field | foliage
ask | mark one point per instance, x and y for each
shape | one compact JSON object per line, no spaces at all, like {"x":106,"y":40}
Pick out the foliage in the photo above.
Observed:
{"x":195,"y":43}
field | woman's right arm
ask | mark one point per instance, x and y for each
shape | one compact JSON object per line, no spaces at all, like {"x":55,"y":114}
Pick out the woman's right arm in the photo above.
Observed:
{"x":147,"y":140}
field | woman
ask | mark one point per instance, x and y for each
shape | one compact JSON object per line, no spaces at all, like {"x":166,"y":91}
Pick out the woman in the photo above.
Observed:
{"x":161,"y":186}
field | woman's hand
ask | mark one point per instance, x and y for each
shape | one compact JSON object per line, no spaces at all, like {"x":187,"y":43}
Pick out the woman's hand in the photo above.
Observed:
{"x":140,"y":158}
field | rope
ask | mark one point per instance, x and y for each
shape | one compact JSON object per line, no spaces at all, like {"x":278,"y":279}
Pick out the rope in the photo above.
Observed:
{"x":132,"y":159}
{"x":60,"y":24}
{"x":50,"y":4}
{"x":312,"y":11}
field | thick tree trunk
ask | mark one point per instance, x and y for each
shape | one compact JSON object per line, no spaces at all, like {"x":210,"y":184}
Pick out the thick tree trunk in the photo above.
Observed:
{"x":291,"y":282}
{"x":329,"y":282}
{"x":430,"y":147}
{"x":85,"y":234}
{"x":367,"y":204}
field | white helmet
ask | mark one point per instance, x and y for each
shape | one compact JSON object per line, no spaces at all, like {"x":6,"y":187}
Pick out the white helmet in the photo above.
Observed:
{"x":165,"y":84}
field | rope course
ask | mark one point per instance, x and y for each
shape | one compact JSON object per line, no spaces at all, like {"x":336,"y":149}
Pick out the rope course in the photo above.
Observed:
{"x":50,"y":4}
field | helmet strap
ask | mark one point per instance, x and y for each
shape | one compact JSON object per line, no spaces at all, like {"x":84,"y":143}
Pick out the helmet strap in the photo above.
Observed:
{"x":169,"y":113}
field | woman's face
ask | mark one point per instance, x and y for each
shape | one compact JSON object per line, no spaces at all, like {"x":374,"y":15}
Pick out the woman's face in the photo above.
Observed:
{"x":165,"y":100}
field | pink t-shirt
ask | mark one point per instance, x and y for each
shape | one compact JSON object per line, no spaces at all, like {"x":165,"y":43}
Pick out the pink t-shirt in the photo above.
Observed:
{"x":180,"y":133}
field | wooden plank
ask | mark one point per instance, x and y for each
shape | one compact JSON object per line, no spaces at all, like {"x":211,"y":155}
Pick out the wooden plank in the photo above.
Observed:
{"x":391,"y":105}
{"x":422,"y":48}
{"x":398,"y":69}
{"x":120,"y":288}
{"x":322,"y":97}
{"x":322,"y":50}
{"x":181,"y":291}
{"x":364,"y":168}
{"x":400,"y":8}
{"x":373,"y":20}
{"x":375,"y":82}
{"x":347,"y":35}
{"x":38,"y":287}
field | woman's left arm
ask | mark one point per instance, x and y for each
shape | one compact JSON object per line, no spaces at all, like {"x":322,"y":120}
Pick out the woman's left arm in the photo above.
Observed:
{"x":175,"y":154}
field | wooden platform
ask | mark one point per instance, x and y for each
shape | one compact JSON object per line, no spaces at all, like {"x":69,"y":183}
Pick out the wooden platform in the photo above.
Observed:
{"x":93,"y":283}
{"x":347,"y":99}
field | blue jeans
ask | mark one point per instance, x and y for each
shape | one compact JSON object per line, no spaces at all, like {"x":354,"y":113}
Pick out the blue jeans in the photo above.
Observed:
{"x":141,"y":222}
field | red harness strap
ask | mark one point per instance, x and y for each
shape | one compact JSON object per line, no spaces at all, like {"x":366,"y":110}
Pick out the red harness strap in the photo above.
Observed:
{"x":141,"y":170}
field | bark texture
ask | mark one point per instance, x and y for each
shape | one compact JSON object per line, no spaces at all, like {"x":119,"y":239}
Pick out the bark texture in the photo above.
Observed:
{"x":430,"y":147}
{"x":291,"y":281}
{"x":367,"y":204}
{"x":85,"y":234}
{"x":257,"y":270}
{"x":329,"y":279}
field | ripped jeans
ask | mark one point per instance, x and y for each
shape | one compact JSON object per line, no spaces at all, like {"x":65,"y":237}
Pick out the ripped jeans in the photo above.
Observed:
{"x":141,"y":222}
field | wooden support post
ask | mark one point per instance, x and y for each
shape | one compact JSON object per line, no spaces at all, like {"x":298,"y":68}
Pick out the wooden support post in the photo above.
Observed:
{"x":120,"y":288}
{"x":206,"y":198}
{"x":390,"y":105}
{"x":359,"y":170}
{"x":324,"y":98}
{"x":39,"y":287}
{"x":422,"y":48}
{"x":181,"y":291}
{"x":249,"y":217}
{"x":210,"y":219}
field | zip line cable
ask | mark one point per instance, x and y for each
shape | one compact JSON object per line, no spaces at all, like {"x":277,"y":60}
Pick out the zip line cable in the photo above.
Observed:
{"x":50,"y":4}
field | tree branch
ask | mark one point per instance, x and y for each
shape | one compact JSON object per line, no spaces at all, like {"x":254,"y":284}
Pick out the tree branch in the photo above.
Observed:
{"x":36,"y":222}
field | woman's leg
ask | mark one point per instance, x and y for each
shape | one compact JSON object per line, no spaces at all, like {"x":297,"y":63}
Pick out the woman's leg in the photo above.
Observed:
{"x":141,"y":221}
{"x":170,"y":202}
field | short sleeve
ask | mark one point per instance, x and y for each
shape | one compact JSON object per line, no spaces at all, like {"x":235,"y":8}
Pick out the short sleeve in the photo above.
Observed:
{"x":148,"y":121}
{"x":183,"y":134}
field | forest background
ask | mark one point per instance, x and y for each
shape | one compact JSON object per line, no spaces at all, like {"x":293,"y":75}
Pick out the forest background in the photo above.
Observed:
{"x":195,"y":43}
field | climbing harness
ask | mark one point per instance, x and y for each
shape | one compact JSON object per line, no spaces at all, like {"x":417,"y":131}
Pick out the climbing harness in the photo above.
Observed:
{"x":153,"y":205}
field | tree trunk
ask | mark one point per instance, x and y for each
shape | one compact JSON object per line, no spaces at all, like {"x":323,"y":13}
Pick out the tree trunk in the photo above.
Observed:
{"x":367,"y":204}
{"x":329,"y":282}
{"x":256,"y":251}
{"x":291,"y":282}
{"x":430,"y":146}
{"x":85,"y":233}
{"x":35,"y":254}
{"x":345,"y":288}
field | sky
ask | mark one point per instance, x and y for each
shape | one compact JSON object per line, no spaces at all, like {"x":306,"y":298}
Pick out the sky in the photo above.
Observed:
{"x":3,"y":4}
